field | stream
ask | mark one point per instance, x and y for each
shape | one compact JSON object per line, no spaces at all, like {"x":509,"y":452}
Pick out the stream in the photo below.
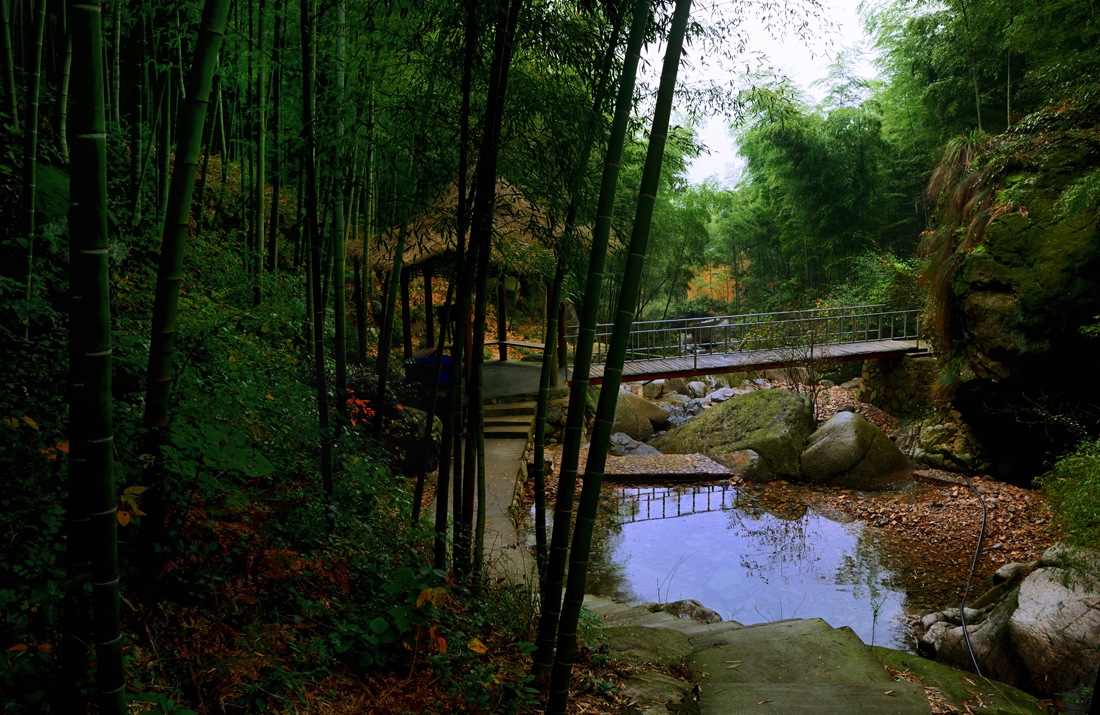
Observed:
{"x":752,"y":561}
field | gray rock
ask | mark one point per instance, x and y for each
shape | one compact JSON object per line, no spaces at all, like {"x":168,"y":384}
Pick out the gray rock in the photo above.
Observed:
{"x":698,"y":389}
{"x":654,"y":690}
{"x":649,"y":645}
{"x":1056,"y":629}
{"x":653,"y":390}
{"x":629,"y":421}
{"x":622,"y":445}
{"x":1009,"y":572}
{"x":652,"y":412}
{"x":1040,"y":635}
{"x":853,"y":384}
{"x":790,"y":374}
{"x":826,"y":384}
{"x":690,"y":608}
{"x":678,"y":385}
{"x":772,"y":423}
{"x":757,"y":384}
{"x":748,"y":466}
{"x":988,"y":638}
{"x":722,"y":394}
{"x":675,"y":398}
{"x":850,"y":451}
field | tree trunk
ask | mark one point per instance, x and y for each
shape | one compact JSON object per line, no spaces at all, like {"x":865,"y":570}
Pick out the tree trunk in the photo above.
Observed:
{"x":613,"y":369}
{"x":30,"y":144}
{"x":63,"y":98}
{"x":258,"y":232}
{"x":382,"y":366}
{"x":406,"y":317}
{"x":309,"y":63}
{"x":582,"y":356}
{"x":452,"y":422}
{"x":91,"y":334}
{"x":208,"y":136}
{"x":276,"y":147}
{"x":10,"y":100}
{"x":548,"y":367}
{"x":339,"y":270}
{"x":177,"y":221}
{"x":426,"y":434}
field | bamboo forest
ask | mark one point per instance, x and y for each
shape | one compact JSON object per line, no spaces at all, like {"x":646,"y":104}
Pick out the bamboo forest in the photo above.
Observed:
{"x":350,"y":346}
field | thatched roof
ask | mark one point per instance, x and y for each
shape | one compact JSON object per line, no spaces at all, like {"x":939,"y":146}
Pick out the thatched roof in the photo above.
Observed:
{"x":522,"y":231}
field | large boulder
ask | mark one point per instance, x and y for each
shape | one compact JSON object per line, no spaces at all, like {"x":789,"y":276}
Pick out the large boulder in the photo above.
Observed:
{"x":622,"y":445}
{"x":654,"y":413}
{"x":849,"y":451}
{"x":654,"y":390}
{"x":1038,"y":631}
{"x":1057,"y":617}
{"x":678,"y":385}
{"x":637,"y":416}
{"x":772,"y":423}
{"x":1017,"y":300}
{"x":629,"y":421}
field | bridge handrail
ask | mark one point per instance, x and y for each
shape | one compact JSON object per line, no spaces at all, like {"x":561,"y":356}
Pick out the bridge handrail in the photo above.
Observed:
{"x":720,"y":334}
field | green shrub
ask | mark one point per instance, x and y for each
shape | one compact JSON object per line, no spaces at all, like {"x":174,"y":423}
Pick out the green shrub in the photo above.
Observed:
{"x":1072,"y":487}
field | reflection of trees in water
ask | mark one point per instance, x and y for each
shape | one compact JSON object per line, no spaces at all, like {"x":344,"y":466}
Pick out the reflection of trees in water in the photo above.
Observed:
{"x":607,"y":536}
{"x":863,"y":569}
{"x":774,"y":545}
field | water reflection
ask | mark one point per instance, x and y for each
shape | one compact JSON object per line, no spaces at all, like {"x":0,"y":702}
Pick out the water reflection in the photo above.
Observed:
{"x":718,"y":545}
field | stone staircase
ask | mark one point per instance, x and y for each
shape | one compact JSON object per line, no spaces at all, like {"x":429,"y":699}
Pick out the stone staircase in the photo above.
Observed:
{"x":791,"y":667}
{"x":509,"y":420}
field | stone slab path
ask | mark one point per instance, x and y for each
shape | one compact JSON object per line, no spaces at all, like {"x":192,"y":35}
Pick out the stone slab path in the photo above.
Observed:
{"x":793,"y":667}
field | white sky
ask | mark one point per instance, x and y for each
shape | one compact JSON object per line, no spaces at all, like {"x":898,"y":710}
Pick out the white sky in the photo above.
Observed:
{"x":803,"y":63}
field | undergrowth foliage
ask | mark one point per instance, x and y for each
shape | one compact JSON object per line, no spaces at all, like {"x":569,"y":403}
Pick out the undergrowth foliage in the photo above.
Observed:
{"x":268,"y":595}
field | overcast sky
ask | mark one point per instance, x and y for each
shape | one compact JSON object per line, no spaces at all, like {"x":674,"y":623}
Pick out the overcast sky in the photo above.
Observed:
{"x":801,"y":62}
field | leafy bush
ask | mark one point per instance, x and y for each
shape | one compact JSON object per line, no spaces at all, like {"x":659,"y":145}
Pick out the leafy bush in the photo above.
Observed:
{"x":1072,"y":487}
{"x":879,"y":277}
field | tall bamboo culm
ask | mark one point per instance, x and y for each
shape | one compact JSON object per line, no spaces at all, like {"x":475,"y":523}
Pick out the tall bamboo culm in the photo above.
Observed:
{"x":91,"y":334}
{"x":11,"y":106}
{"x":177,"y":220}
{"x":582,"y":360}
{"x":30,"y":142}
{"x":339,"y":269}
{"x":565,"y":652}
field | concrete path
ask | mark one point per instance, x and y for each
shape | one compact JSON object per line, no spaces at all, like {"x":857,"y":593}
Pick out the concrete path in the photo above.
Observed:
{"x":793,"y":667}
{"x":513,"y":386}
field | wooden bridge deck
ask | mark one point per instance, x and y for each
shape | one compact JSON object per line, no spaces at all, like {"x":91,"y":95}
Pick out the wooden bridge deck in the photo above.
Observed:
{"x":720,"y":363}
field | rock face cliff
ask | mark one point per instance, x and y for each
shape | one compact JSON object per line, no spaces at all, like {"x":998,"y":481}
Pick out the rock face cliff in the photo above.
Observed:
{"x":1018,"y":299}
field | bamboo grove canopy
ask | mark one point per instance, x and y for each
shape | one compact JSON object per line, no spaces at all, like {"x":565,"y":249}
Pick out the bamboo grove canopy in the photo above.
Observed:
{"x":524,"y":235}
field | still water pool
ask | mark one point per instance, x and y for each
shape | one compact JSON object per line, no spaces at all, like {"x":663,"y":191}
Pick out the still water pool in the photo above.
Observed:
{"x":718,"y":545}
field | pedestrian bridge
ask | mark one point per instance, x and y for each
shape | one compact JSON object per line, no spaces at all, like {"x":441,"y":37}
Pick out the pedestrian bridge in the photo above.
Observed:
{"x":688,"y":347}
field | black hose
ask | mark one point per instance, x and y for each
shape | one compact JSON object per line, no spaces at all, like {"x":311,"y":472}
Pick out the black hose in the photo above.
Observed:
{"x":973,"y":567}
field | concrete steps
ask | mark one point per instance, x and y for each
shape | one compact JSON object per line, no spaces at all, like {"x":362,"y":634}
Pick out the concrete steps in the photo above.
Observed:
{"x":510,"y":408}
{"x":509,"y":420}
{"x":793,"y":667}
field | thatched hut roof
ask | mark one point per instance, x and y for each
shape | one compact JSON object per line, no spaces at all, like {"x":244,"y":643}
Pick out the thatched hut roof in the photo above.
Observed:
{"x":522,"y":231}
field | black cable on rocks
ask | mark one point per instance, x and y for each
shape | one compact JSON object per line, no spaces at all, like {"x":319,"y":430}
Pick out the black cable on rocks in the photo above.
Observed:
{"x":973,"y":567}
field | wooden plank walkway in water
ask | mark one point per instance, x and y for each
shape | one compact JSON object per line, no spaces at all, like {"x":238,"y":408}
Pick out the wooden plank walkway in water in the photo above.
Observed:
{"x":721,"y":363}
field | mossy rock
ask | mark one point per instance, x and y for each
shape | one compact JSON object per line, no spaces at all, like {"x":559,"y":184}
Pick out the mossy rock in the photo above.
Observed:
{"x":772,"y":423}
{"x":959,"y":687}
{"x":648,"y":645}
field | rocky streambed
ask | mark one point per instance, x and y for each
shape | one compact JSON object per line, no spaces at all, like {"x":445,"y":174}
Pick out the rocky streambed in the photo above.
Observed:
{"x":913,"y":539}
